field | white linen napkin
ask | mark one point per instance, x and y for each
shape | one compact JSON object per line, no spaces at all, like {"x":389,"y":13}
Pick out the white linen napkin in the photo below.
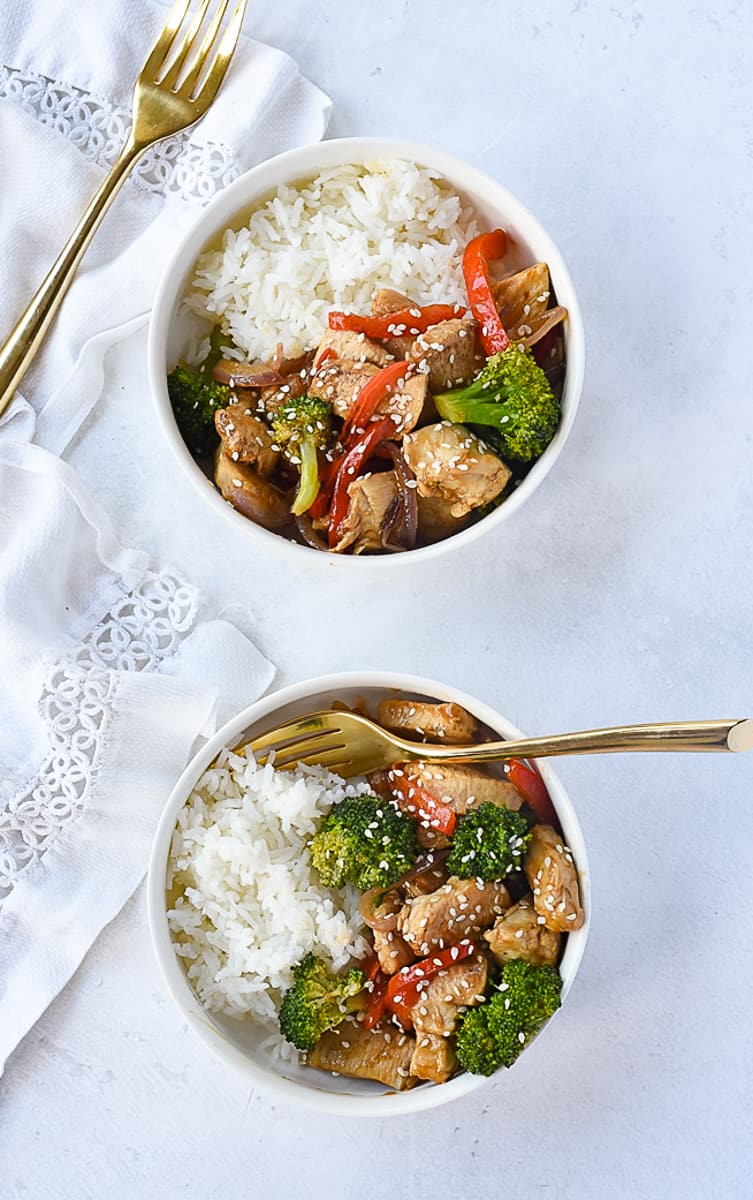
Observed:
{"x":66,"y":78}
{"x":108,"y":681}
{"x":107,"y":678}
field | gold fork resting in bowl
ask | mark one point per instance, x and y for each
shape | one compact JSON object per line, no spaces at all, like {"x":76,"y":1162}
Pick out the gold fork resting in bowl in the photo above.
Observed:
{"x":350,"y":744}
{"x":177,"y":84}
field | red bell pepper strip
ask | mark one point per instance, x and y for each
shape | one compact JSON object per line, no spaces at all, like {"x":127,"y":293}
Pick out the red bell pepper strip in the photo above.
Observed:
{"x":377,"y":992}
{"x":529,"y":784}
{"x":370,"y":397}
{"x":377,"y":1002}
{"x":411,"y":320}
{"x":350,"y":465}
{"x":476,"y":259}
{"x":367,"y":402}
{"x":400,"y":1009}
{"x":404,"y":989}
{"x":370,"y":967}
{"x":327,"y":477}
{"x":418,"y":801}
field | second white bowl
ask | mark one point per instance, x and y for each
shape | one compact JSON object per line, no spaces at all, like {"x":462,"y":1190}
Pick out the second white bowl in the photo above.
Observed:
{"x":240,"y":1044}
{"x":495,"y":205}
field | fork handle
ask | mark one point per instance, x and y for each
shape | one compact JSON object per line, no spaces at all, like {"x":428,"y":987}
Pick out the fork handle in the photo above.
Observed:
{"x":24,"y":341}
{"x":734,"y":735}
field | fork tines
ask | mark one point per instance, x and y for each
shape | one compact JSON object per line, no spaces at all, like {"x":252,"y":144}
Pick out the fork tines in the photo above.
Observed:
{"x":183,"y":62}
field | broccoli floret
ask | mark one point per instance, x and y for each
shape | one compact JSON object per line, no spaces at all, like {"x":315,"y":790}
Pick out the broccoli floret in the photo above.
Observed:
{"x":317,"y":1001}
{"x":489,"y":843}
{"x":365,"y":841}
{"x":511,"y":400}
{"x":493,"y":1035}
{"x":195,"y":397}
{"x":301,"y":427}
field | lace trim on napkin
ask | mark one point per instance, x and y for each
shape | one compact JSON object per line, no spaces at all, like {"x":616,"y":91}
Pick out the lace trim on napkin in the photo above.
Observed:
{"x":194,"y":171}
{"x":143,"y":629}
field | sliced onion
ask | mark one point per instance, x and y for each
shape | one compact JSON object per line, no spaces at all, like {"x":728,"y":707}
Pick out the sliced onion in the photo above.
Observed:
{"x":367,"y":906}
{"x":245,"y":375}
{"x":400,"y":523}
{"x":548,"y":320}
{"x":433,"y":858}
{"x":301,"y":362}
{"x":305,"y":527}
{"x":254,"y":497}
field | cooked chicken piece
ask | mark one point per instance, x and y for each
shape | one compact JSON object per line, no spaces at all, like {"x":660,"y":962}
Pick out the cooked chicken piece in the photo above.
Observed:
{"x":451,"y":463}
{"x":450,"y":353}
{"x":339,"y":382}
{"x":353,"y":347}
{"x":553,"y":879}
{"x":370,"y":497}
{"x":458,"y":787}
{"x":455,"y":987}
{"x":523,"y":304}
{"x":406,"y":403}
{"x":382,"y":1053}
{"x":393,"y":953}
{"x":272,"y":398}
{"x":246,"y":438}
{"x":518,"y":934}
{"x":460,"y":908}
{"x":435,"y":1016}
{"x":254,"y":497}
{"x":445,"y":722}
{"x":385,"y":301}
{"x":435,"y":521}
{"x":433,"y":1058}
{"x":462,"y":788}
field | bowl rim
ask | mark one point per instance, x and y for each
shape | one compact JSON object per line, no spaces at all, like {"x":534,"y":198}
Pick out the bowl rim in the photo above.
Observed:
{"x":386,"y":1104}
{"x":250,"y":187}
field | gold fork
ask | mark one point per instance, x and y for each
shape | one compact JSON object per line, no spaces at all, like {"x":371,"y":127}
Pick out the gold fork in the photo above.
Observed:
{"x":177,"y":84}
{"x":353,"y":745}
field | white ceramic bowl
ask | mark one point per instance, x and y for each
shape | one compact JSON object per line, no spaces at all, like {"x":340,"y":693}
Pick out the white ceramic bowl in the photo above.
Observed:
{"x":169,"y":330}
{"x":237,"y":1043}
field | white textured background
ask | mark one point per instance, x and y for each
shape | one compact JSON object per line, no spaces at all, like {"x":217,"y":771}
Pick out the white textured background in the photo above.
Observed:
{"x":621,"y":592}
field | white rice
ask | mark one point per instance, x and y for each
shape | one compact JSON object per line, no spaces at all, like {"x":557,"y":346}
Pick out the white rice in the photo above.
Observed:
{"x":248,"y":904}
{"x":331,"y":243}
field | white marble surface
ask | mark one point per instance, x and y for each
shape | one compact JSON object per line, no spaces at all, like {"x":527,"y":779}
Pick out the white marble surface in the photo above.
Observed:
{"x":623,"y":591}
